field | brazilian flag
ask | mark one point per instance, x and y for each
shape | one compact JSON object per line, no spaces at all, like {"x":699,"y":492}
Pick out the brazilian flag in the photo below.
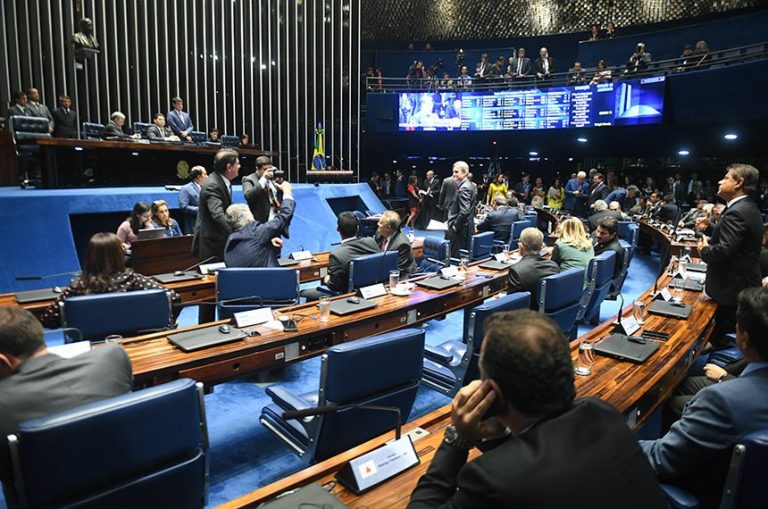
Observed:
{"x":318,"y":156}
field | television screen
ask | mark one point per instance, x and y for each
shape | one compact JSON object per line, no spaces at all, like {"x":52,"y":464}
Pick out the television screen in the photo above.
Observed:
{"x":630,"y":102}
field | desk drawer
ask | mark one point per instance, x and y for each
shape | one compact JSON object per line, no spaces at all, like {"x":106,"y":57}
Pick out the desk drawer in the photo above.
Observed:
{"x":224,"y":370}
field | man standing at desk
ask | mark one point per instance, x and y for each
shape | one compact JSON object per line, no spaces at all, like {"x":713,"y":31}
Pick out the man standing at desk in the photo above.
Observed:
{"x":732,"y":254}
{"x":460,"y":213}
{"x":576,"y":193}
{"x":189,"y":197}
{"x":179,"y":120}
{"x":212,"y":228}
{"x":542,"y":448}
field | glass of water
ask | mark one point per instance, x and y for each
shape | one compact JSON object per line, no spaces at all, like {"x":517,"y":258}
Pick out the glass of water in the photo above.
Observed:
{"x":324,"y":305}
{"x":586,"y":357}
{"x":638,"y":310}
{"x":394,"y":278}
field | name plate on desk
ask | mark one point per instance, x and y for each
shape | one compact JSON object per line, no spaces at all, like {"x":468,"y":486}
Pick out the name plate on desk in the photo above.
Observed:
{"x":450,"y":271}
{"x":628,"y":325}
{"x":301,"y":255}
{"x":663,"y":294}
{"x":371,"y":469}
{"x":211,"y":267}
{"x":377,"y":290}
{"x":254,"y":317}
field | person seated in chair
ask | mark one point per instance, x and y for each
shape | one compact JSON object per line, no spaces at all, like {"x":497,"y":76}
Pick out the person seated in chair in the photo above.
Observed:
{"x":159,"y":131}
{"x":500,"y":220}
{"x":390,"y":238}
{"x":103,"y":272}
{"x":161,"y":218}
{"x":36,"y":383}
{"x":255,"y":243}
{"x":114,"y":128}
{"x":352,"y":246}
{"x":140,"y":219}
{"x":541,"y":447}
{"x":607,"y":239}
{"x":695,"y":452}
{"x":524,"y":276}
{"x":601,"y":210}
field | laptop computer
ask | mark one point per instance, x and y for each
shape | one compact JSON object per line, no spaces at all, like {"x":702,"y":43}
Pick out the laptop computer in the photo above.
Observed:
{"x":151,"y":233}
{"x":343,"y":307}
{"x":670,"y":309}
{"x":438,"y":282}
{"x":495,"y":265}
{"x":697,"y":267}
{"x":177,"y":276}
{"x":37,"y":295}
{"x":618,"y":346}
{"x":204,"y":338}
{"x":688,"y":284}
{"x":286,"y":262}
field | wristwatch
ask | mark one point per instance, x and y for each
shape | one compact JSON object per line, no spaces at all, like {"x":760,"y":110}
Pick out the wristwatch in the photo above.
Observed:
{"x":452,"y":437}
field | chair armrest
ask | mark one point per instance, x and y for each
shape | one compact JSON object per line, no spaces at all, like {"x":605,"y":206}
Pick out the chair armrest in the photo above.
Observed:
{"x":438,"y":355}
{"x":724,"y":357}
{"x":678,"y":498}
{"x":324,"y":289}
{"x":286,"y":400}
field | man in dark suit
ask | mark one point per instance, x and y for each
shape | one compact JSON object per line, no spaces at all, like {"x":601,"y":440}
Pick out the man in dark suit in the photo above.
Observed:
{"x":431,"y":188}
{"x":483,"y":68}
{"x":523,"y":189}
{"x":36,"y":383}
{"x":114,"y":128}
{"x":158,"y":131}
{"x":544,"y":66}
{"x":179,"y":121}
{"x":524,"y":276}
{"x":602,"y":210}
{"x":542,"y":448}
{"x":253,"y":243}
{"x":668,"y":211}
{"x":460,"y":212}
{"x":19,"y":106}
{"x":189,"y":197}
{"x":445,"y":200}
{"x":500,"y":219}
{"x":520,"y":67}
{"x":696,"y":450}
{"x":389,"y":238}
{"x":732,"y":254}
{"x":212,"y":228}
{"x":607,"y":239}
{"x":64,"y":119}
{"x":599,"y":189}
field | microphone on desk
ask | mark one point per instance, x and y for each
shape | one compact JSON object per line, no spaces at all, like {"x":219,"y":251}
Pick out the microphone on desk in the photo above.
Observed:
{"x":46,"y":276}
{"x":332,"y":409}
{"x":200,"y":263}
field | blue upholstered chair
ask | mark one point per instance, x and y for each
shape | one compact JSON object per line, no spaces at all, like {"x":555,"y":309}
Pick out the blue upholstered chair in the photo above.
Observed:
{"x":26,"y":132}
{"x":480,"y":246}
{"x":453,"y":364}
{"x":380,"y":370}
{"x":143,"y":449}
{"x":141,"y":128}
{"x":559,"y":297}
{"x":92,"y":130}
{"x":618,"y":281}
{"x":125,"y":313}
{"x":198,"y":136}
{"x":437,"y":254}
{"x":599,"y":279}
{"x":245,"y":288}
{"x":745,"y":486}
{"x":371,"y":269}
{"x":229,"y":141}
{"x":516,"y":229}
{"x":629,"y":232}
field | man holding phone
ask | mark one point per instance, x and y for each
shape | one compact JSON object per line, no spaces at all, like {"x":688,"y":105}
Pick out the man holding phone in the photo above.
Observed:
{"x":542,"y":448}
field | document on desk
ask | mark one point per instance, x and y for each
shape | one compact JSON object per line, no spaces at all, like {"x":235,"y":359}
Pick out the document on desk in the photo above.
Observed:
{"x":437,"y":225}
{"x":71,"y":349}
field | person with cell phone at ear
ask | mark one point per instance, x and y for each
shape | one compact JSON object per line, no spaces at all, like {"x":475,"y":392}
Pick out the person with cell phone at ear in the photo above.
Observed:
{"x":541,"y":447}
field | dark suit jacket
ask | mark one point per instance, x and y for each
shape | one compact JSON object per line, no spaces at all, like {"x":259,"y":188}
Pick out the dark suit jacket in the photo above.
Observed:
{"x":212,"y":229}
{"x":251,"y":246}
{"x":111,"y":130}
{"x":669,"y":212}
{"x":64,"y":126}
{"x":18,"y":110}
{"x":402,"y":245}
{"x":584,"y":458}
{"x":597,"y":216}
{"x":598,"y":193}
{"x":338,"y":261}
{"x":733,"y":254}
{"x":257,"y":197}
{"x":525,"y":68}
{"x":522,"y":194}
{"x":460,"y":214}
{"x":500,"y":222}
{"x":524,"y":276}
{"x":155,"y":133}
{"x":49,"y":384}
{"x":614,"y":246}
{"x":447,"y":194}
{"x":538,"y":65}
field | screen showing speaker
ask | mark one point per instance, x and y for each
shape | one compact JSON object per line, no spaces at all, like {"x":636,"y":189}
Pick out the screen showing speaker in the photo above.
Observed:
{"x":628,"y":102}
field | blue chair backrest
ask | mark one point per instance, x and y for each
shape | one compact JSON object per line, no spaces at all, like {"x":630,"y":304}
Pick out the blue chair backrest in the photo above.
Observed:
{"x":371,"y":269}
{"x":92,"y":130}
{"x":517,"y":229}
{"x":559,"y":296}
{"x":198,"y":136}
{"x":437,"y":249}
{"x":29,"y":128}
{"x":381,"y":370}
{"x":125,"y":313}
{"x":273,"y":285}
{"x":229,"y":141}
{"x":599,"y":279}
{"x":480,"y":245}
{"x":142,"y":449}
{"x":745,"y":485}
{"x":624,"y":230}
{"x":141,"y":128}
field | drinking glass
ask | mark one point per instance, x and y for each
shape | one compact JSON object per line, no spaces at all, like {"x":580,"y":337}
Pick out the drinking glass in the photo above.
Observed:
{"x":394,"y":278}
{"x":324,"y":305}
{"x":586,"y":357}
{"x":113,"y":338}
{"x":638,"y":310}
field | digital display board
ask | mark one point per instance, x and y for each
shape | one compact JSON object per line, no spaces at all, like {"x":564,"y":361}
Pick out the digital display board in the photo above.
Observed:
{"x":630,"y":102}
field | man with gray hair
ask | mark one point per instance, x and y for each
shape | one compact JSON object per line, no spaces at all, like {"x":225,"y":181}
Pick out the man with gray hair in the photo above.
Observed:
{"x":390,"y":238}
{"x":114,"y":128}
{"x":524,"y":276}
{"x":460,"y":213}
{"x":500,"y":219}
{"x":602,"y":210}
{"x":254,"y":243}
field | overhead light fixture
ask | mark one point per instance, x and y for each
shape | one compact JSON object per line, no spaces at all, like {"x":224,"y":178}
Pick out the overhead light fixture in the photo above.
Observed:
{"x":683,"y":152}
{"x":533,"y":153}
{"x":581,"y":140}
{"x":731,"y":136}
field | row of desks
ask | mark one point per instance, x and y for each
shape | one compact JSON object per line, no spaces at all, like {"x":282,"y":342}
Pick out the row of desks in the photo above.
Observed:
{"x":635,"y":390}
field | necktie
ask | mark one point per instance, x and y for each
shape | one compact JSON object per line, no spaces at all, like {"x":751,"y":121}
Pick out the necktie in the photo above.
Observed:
{"x":66,"y":112}
{"x":519,"y":65}
{"x":383,"y":244}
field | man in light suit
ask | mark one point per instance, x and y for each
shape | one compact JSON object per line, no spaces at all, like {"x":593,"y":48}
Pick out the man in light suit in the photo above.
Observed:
{"x":541,"y":448}
{"x":460,"y":213}
{"x":732,"y":254}
{"x":390,"y":238}
{"x":212,"y":228}
{"x":36,"y":383}
{"x":64,"y":119}
{"x":179,"y":120}
{"x":576,"y":193}
{"x":524,"y":276}
{"x":447,"y":195}
{"x":695,"y":452}
{"x":500,"y":219}
{"x":189,"y":197}
{"x":38,"y":109}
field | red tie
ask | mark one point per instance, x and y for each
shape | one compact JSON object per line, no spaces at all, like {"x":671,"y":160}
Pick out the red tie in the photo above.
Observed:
{"x":384,"y":244}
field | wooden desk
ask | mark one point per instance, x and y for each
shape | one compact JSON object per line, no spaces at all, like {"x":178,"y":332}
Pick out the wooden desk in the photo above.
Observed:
{"x":162,"y":255}
{"x":636,"y":390}
{"x":662,"y":236}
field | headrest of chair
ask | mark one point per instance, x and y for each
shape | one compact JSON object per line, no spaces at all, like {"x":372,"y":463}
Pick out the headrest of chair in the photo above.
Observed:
{"x":370,"y":261}
{"x":361,"y":368}
{"x":28,"y":125}
{"x":604,"y":264}
{"x":269,"y":283}
{"x":519,"y":300}
{"x":562,"y":289}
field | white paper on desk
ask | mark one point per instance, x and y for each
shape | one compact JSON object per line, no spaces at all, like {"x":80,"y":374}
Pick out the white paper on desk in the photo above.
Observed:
{"x":450,"y":271}
{"x":274,"y":325}
{"x":71,"y":350}
{"x":437,"y":225}
{"x":253,"y":317}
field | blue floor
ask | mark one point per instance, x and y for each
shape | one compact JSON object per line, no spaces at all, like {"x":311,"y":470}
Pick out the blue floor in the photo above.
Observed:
{"x":245,"y":456}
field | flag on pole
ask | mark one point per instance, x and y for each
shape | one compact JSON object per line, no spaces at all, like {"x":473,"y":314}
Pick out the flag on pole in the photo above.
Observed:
{"x":318,"y":156}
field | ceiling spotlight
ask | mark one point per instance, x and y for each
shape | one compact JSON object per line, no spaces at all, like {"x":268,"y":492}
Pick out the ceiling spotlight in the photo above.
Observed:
{"x":683,"y":152}
{"x":533,"y":153}
{"x":581,"y":140}
{"x":731,"y":136}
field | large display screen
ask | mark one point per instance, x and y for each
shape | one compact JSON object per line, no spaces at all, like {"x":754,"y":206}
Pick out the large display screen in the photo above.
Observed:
{"x":630,"y":102}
